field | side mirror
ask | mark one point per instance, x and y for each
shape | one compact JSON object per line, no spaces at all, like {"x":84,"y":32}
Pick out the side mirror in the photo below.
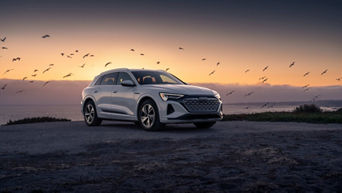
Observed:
{"x":127,"y":83}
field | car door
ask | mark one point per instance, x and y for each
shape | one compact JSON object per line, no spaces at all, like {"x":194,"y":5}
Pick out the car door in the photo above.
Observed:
{"x":125,"y":97}
{"x":104,"y":94}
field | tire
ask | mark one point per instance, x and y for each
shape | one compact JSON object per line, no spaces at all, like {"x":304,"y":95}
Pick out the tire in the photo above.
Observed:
{"x":90,"y":114}
{"x":204,"y":125}
{"x":148,"y":116}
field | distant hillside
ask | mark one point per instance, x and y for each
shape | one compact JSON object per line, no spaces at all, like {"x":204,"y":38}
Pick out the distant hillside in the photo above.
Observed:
{"x":69,"y":92}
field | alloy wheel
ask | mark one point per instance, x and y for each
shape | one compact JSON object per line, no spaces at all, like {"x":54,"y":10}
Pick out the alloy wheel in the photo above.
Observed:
{"x":89,"y":113}
{"x":147,"y":115}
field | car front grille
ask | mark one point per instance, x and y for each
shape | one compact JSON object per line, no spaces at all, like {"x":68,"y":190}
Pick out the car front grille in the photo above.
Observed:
{"x":201,"y":104}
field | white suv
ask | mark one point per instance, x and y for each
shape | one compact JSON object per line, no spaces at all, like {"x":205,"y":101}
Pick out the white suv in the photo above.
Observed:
{"x":150,"y":98}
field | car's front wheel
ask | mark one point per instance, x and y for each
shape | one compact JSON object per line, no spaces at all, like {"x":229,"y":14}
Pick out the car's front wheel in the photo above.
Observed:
{"x":148,"y":116}
{"x":204,"y":125}
{"x":90,"y":114}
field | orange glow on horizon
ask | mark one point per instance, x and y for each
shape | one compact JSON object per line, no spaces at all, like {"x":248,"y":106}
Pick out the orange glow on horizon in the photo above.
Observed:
{"x":235,"y":52}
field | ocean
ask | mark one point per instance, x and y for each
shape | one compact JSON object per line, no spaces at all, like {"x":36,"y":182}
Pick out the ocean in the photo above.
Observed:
{"x":73,"y":112}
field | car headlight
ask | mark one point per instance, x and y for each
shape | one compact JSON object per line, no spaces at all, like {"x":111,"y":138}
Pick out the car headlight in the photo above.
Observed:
{"x":217,"y":95}
{"x":166,"y":96}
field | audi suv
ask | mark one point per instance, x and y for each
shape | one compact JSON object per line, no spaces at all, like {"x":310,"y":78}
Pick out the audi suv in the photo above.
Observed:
{"x":150,"y":98}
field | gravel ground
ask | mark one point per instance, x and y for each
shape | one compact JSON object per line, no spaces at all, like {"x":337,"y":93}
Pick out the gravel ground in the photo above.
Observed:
{"x":118,"y":157}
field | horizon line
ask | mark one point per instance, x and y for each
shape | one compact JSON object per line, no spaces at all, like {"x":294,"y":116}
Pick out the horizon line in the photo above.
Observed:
{"x":216,"y":83}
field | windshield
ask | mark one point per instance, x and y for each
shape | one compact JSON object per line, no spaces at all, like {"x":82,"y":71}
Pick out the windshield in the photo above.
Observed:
{"x":155,"y":77}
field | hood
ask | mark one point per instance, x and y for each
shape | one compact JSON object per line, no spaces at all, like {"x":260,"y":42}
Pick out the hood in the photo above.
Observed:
{"x":181,"y":89}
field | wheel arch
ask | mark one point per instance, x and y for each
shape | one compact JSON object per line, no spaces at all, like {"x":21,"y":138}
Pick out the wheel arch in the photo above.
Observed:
{"x":86,"y":100}
{"x":141,"y":100}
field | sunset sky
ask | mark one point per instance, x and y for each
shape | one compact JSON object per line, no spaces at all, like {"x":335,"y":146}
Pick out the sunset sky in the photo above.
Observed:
{"x":240,"y":35}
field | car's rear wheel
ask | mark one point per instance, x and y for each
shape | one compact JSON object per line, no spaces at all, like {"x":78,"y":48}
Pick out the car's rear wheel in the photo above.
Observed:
{"x":148,"y":116}
{"x":90,"y":114}
{"x":204,"y":125}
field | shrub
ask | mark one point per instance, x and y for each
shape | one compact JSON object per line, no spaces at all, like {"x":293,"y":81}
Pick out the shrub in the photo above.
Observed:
{"x":339,"y":110}
{"x":308,"y":108}
{"x":35,"y":120}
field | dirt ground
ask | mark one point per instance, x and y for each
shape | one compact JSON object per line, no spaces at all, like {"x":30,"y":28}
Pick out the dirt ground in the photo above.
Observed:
{"x":118,"y":157}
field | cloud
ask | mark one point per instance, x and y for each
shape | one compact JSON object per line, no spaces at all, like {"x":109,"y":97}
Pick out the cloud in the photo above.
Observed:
{"x":273,"y":93}
{"x":69,"y":92}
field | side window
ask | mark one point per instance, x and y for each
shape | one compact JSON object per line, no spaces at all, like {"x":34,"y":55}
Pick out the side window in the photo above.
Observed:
{"x":109,"y":79}
{"x":123,"y":76}
{"x":98,"y":81}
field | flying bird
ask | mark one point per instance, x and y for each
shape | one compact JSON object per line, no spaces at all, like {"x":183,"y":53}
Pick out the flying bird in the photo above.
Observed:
{"x":51,"y":64}
{"x":230,"y":93}
{"x":167,"y":69}
{"x":68,"y":75}
{"x":45,"y":83}
{"x":265,"y":105}
{"x":325,"y":71}
{"x":4,"y":48}
{"x":307,"y":89}
{"x":83,"y":65}
{"x":46,"y":70}
{"x":218,"y":63}
{"x":62,"y":54}
{"x":91,"y":55}
{"x":35,"y":70}
{"x":339,"y":79}
{"x":264,"y":80}
{"x":142,"y":54}
{"x":180,"y":48}
{"x":247,"y":70}
{"x":265,"y":69}
{"x":307,"y":73}
{"x":16,"y":59}
{"x":69,"y":56}
{"x":3,"y":39}
{"x":203,"y":59}
{"x":25,"y":78}
{"x":306,"y":86}
{"x":249,"y":94}
{"x":4,"y":87}
{"x":31,"y":81}
{"x":9,"y":70}
{"x":158,"y":62}
{"x":132,"y":50}
{"x":46,"y":36}
{"x":292,"y":64}
{"x":86,"y":55}
{"x":19,"y":91}
{"x":212,"y":72}
{"x":76,"y":51}
{"x":34,"y":75}
{"x":107,"y":64}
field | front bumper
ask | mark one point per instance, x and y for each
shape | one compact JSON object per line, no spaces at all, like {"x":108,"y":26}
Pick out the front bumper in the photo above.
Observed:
{"x":181,"y":114}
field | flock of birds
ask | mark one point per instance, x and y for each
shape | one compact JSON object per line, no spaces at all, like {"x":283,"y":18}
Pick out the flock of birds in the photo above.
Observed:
{"x":262,"y":79}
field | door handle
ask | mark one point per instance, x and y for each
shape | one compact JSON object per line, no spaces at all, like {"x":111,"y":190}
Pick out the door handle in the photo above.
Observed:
{"x":115,"y":91}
